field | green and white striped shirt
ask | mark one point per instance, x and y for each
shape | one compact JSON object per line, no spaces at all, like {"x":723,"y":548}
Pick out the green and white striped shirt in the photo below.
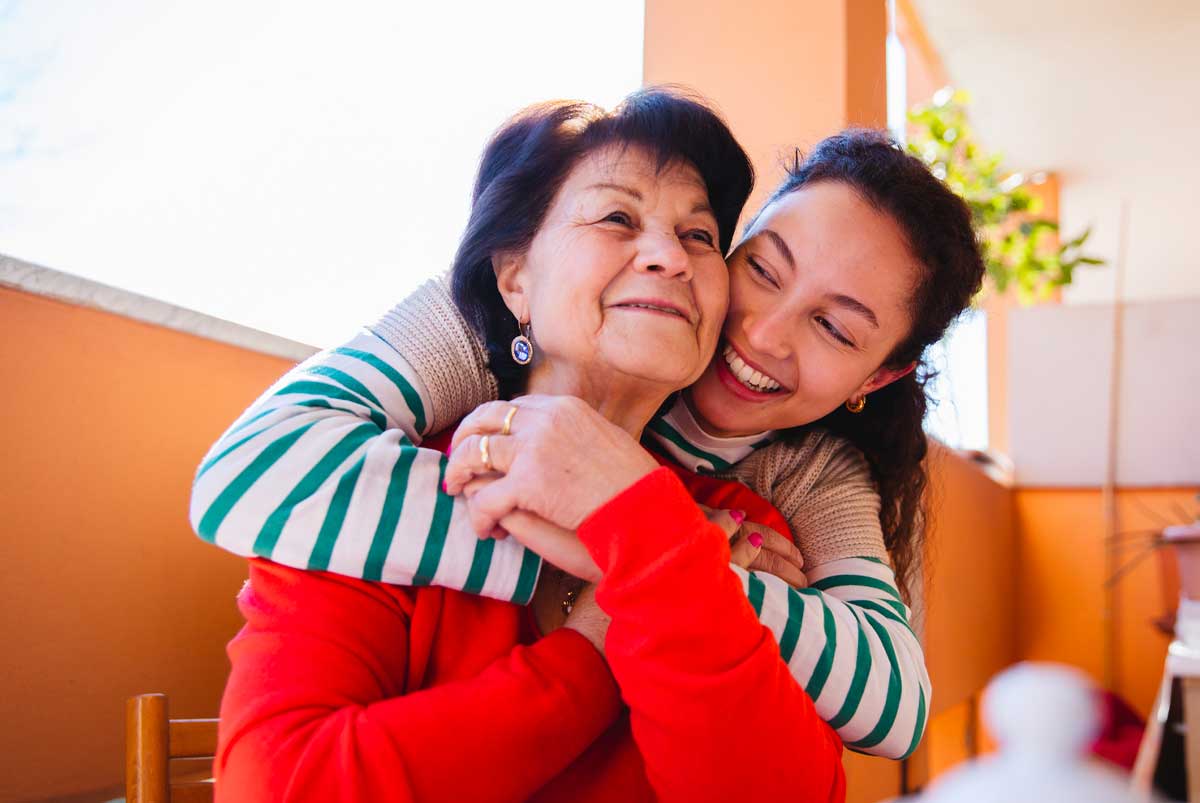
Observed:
{"x":324,"y":471}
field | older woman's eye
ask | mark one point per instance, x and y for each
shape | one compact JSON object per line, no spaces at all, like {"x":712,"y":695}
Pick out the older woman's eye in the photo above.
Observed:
{"x":618,"y":217}
{"x":702,"y":236}
{"x":833,"y":331}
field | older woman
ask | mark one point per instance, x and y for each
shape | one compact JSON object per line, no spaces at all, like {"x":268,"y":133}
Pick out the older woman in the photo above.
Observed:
{"x":349,"y":689}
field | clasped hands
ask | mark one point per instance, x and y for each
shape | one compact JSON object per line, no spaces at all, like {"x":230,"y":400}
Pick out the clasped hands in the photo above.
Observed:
{"x":548,"y":464}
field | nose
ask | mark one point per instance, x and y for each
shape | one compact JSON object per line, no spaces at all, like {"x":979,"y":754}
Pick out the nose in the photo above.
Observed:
{"x":769,"y":331}
{"x":661,"y":253}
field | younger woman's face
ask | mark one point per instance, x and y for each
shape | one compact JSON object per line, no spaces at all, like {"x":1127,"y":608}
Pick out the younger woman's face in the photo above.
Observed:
{"x":819,"y":295}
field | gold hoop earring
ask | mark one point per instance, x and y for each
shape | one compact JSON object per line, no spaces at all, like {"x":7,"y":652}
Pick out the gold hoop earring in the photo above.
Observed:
{"x":856,"y":405}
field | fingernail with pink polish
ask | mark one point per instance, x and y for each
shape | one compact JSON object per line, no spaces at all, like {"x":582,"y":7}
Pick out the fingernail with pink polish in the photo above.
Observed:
{"x":738,"y":516}
{"x":755,"y":540}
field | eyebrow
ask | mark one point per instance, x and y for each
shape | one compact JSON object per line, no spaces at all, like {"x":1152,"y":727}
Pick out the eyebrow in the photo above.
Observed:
{"x":847,"y":302}
{"x":854,"y":305}
{"x":703,"y":206}
{"x":782,"y":246}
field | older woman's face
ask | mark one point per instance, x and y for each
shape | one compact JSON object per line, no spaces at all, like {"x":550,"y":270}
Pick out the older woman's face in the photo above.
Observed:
{"x":819,"y":295}
{"x":625,"y":278}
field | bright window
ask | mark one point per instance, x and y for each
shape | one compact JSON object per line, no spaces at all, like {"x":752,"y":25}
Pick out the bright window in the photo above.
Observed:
{"x":293,"y":166}
{"x":958,"y":416}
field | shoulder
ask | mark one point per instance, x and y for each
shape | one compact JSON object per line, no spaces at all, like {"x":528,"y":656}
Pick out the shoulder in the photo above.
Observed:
{"x":805,"y":461}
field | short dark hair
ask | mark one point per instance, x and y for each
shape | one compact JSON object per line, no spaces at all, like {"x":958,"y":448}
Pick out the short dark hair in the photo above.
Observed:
{"x":526,"y":162}
{"x":937,"y":225}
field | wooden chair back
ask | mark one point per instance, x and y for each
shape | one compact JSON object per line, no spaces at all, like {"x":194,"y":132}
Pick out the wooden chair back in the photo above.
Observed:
{"x":167,"y":760}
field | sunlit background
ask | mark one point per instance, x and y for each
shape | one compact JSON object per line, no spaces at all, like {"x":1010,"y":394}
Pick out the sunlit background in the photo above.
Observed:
{"x":254,"y":161}
{"x":257,"y":163}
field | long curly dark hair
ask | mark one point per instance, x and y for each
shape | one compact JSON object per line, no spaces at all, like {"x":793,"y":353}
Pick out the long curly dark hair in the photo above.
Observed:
{"x":938,"y":227}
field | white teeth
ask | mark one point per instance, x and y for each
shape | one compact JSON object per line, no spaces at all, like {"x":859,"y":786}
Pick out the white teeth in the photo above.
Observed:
{"x":749,"y":377}
{"x":653,"y":307}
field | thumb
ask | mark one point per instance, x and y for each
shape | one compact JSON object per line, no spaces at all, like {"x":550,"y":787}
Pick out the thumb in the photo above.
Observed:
{"x":744,"y":549}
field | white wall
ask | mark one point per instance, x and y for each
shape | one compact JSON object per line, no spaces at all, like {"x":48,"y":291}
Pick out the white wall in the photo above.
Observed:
{"x":1059,"y":379}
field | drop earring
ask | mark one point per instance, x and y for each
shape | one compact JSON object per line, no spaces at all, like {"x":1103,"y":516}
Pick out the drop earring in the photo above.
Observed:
{"x":522,"y":346}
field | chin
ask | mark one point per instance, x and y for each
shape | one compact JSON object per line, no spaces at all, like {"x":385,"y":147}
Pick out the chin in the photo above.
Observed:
{"x":657,"y":372}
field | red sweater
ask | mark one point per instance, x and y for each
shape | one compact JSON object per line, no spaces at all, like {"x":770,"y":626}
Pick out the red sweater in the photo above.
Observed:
{"x":348,"y":690}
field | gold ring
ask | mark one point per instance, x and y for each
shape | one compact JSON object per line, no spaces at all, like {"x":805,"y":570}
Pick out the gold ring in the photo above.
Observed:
{"x":485,"y":454}
{"x":508,"y":417}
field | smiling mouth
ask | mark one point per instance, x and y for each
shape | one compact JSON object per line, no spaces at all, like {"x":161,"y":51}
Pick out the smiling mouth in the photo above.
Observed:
{"x":747,"y":376}
{"x":643,"y":305}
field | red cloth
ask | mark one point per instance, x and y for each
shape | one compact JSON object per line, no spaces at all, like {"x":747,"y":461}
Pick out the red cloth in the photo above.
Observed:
{"x":1121,"y":735}
{"x":347,"y":690}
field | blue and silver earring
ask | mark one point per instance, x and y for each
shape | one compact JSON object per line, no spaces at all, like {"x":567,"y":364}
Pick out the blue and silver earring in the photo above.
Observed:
{"x":522,"y":346}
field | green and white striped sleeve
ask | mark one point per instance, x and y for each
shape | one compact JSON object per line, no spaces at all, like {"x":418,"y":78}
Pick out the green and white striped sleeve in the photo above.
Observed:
{"x":846,"y":638}
{"x":324,"y":471}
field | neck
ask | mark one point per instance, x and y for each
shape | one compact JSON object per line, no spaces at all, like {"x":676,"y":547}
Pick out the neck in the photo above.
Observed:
{"x":709,"y":429}
{"x":627,"y":402}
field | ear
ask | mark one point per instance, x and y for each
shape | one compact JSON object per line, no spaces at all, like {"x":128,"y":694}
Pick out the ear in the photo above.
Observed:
{"x":882,"y":378}
{"x":511,"y":282}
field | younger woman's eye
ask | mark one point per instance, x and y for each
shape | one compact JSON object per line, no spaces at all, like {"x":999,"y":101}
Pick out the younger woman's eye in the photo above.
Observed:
{"x":833,"y":331}
{"x":761,"y":271}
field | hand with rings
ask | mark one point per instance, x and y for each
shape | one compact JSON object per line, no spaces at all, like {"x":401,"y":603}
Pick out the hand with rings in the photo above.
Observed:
{"x":556,"y":457}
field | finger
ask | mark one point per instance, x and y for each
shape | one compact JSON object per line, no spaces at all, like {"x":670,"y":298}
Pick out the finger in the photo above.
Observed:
{"x":779,"y":544}
{"x":743,"y":553}
{"x":772,"y":563}
{"x":466,"y":463}
{"x":484,"y":419}
{"x":469,"y":491}
{"x":559,"y":546}
{"x":727,"y":520}
{"x":492,"y":503}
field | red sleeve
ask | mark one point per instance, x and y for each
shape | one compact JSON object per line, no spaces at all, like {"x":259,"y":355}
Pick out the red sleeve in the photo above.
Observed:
{"x":316,"y":709}
{"x":715,"y":712}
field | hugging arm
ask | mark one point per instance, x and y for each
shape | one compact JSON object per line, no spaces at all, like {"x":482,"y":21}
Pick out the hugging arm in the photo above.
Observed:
{"x":325,"y":471}
{"x":848,"y":637}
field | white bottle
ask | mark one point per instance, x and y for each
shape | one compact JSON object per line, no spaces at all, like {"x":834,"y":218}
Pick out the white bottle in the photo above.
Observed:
{"x":1044,"y":717}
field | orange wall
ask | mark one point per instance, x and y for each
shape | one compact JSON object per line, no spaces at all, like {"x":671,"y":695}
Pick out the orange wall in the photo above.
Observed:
{"x":107,"y":593}
{"x":785,"y":73}
{"x":1062,"y":571}
{"x":970,"y":631}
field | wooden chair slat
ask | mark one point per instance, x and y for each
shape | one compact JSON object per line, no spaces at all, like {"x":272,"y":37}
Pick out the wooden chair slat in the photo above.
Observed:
{"x":195,"y":792}
{"x":146,"y":779}
{"x":193,"y":738}
{"x":157,"y":747}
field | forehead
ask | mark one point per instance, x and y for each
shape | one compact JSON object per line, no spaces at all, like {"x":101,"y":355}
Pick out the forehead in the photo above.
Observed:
{"x":635,"y":167}
{"x":836,"y":234}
